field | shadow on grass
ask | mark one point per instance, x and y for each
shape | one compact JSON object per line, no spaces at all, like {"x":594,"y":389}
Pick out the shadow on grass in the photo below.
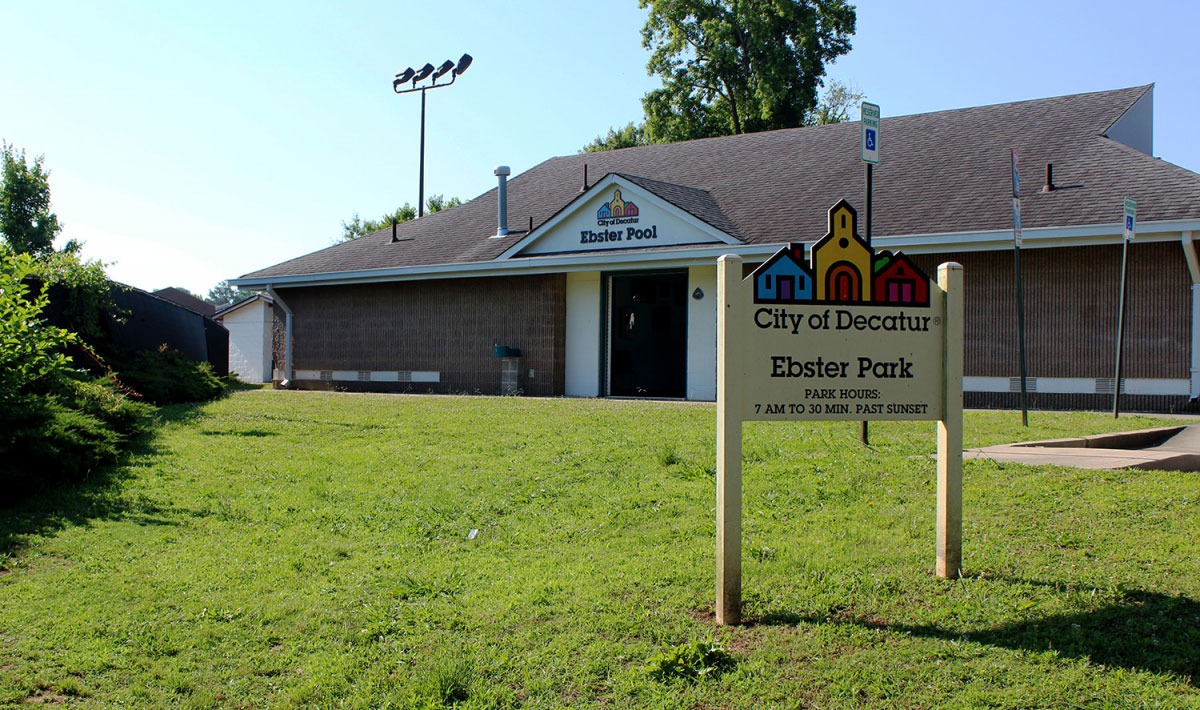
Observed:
{"x":45,"y":509}
{"x":1143,"y":631}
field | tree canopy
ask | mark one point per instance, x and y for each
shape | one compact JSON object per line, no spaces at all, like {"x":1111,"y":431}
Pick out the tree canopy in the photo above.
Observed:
{"x":26,"y":222}
{"x":223,"y":293}
{"x":626,"y":137}
{"x":738,"y":66}
{"x":359,"y":227}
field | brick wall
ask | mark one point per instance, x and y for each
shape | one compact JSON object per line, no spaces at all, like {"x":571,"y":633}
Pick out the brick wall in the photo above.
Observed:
{"x":448,"y":326}
{"x":1071,"y":301}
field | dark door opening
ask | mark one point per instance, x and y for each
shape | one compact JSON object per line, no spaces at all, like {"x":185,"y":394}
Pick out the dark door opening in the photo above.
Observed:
{"x":648,"y":335}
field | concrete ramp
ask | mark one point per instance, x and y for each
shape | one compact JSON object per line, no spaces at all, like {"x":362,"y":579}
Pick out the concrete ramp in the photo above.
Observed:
{"x":1174,"y":448}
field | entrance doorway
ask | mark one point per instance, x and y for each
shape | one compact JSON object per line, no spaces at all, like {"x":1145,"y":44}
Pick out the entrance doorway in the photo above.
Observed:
{"x":648,"y":335}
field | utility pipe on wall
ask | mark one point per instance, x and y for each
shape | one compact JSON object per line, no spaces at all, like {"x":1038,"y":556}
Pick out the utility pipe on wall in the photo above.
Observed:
{"x":287,"y":336}
{"x":1189,"y":255}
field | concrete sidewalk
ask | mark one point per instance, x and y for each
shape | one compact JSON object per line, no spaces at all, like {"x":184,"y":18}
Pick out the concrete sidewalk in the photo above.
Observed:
{"x":1174,"y":448}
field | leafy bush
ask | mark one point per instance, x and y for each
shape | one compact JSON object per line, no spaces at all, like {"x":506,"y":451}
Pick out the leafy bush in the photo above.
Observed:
{"x":689,"y":661}
{"x":103,"y":399}
{"x":32,"y":353}
{"x":165,"y":376}
{"x":52,"y":438}
{"x":53,"y":426}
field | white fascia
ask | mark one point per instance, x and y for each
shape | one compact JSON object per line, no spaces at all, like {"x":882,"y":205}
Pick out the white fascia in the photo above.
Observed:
{"x":554,"y":264}
{"x":680,"y":257}
{"x":1034,"y":238}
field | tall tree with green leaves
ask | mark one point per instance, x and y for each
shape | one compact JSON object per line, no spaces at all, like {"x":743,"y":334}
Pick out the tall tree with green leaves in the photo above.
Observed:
{"x":738,"y":66}
{"x":26,"y":222}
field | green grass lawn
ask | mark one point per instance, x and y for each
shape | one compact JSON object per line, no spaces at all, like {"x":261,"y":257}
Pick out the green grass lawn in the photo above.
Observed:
{"x":285,"y":548}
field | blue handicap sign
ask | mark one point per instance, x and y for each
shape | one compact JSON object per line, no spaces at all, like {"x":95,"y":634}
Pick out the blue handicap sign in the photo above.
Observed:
{"x":870,"y":139}
{"x":1129,"y":222}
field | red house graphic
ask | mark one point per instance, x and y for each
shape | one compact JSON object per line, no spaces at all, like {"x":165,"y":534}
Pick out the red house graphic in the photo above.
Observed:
{"x":898,"y":280}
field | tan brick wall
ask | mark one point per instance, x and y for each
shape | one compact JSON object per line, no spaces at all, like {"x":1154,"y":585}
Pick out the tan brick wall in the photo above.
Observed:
{"x":1070,"y":298}
{"x":446,"y":325}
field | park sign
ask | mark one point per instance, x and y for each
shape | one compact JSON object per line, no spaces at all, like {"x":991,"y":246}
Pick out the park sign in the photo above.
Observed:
{"x":847,"y":334}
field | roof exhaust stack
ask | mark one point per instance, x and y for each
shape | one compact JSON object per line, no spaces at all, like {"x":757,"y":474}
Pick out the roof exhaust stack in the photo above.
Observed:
{"x":1049,"y":186}
{"x":502,"y":172}
{"x":584,"y":188}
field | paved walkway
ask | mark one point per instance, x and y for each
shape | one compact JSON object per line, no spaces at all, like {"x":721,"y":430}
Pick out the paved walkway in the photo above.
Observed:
{"x":1163,"y":449}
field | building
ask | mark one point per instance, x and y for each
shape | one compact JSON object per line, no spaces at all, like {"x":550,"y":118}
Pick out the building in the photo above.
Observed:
{"x":602,"y":302}
{"x":250,"y":323}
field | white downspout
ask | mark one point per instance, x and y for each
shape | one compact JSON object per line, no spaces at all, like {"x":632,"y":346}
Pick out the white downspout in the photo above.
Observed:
{"x":287,"y":337}
{"x":1189,"y":255}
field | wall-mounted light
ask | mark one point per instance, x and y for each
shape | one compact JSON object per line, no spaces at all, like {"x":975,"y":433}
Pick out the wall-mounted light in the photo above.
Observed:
{"x":697,"y":294}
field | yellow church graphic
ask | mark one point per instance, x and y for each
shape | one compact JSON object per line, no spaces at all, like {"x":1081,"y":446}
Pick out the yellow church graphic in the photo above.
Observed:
{"x":842,"y":260}
{"x":617,"y":207}
{"x":842,"y":268}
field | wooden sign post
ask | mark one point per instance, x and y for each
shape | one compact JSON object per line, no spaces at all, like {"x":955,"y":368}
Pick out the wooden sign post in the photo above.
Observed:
{"x":848,"y":335}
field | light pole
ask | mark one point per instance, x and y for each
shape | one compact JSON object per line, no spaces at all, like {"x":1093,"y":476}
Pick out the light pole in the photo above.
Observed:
{"x":416,"y":76}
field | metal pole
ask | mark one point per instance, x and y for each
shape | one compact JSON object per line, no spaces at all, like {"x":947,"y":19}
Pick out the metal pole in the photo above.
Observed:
{"x":864,"y":434}
{"x":1016,"y":202}
{"x":1121,"y":327}
{"x":421,"y":188}
{"x":1021,"y":334}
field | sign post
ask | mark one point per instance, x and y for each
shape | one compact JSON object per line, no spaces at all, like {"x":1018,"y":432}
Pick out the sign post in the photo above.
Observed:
{"x":1016,"y":204}
{"x":1129,"y":220}
{"x":848,"y":334}
{"x":869,"y":116}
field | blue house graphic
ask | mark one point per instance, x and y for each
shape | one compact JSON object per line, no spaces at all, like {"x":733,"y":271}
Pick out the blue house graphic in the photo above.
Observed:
{"x":784,"y":278}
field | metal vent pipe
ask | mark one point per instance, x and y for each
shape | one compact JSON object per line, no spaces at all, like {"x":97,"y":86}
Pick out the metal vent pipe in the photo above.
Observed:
{"x":502,"y":172}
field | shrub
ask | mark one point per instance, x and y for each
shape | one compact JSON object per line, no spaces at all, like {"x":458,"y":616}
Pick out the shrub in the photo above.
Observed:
{"x":32,"y":353}
{"x":165,"y":376}
{"x":47,"y":442}
{"x":54,"y":426}
{"x":103,"y":399}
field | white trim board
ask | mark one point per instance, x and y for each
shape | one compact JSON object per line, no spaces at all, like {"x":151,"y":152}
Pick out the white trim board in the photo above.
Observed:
{"x":1078,"y":385}
{"x":369,"y":375}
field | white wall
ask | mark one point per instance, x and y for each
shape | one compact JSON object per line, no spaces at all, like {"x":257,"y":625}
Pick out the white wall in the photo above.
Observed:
{"x":583,"y":334}
{"x":702,"y":334}
{"x":250,"y":342}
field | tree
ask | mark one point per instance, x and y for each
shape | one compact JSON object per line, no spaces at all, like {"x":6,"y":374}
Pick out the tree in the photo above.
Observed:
{"x":26,"y":222}
{"x":223,"y":293}
{"x":30,"y":349}
{"x":359,"y":227}
{"x":738,"y":66}
{"x":627,"y":137}
{"x":835,"y":106}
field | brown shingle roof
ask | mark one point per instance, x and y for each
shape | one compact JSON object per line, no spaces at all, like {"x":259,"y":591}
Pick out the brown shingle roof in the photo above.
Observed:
{"x":943,"y":172}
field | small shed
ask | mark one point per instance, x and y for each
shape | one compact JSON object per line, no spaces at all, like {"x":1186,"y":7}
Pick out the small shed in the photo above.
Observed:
{"x":250,"y":325}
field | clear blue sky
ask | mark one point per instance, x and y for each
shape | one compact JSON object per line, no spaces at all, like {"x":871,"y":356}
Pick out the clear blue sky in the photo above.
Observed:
{"x":193,"y":142}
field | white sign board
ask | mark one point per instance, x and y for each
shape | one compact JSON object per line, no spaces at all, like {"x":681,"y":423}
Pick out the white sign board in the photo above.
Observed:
{"x":847,"y":334}
{"x":869,"y":118}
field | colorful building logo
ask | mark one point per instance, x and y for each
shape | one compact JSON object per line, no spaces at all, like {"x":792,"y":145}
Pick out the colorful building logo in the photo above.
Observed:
{"x":842,"y":269}
{"x":617,"y":211}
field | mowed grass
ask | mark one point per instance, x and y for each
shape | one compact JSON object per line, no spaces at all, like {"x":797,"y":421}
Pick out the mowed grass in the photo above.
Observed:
{"x":305,"y":549}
